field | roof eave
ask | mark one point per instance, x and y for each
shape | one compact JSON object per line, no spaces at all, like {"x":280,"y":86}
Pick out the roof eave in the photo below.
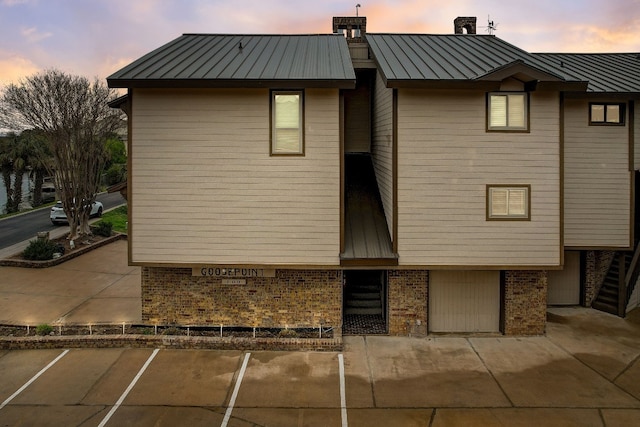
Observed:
{"x":232,"y":83}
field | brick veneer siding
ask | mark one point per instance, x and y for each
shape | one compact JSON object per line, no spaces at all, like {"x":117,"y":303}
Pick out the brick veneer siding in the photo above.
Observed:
{"x":294,"y":298}
{"x":408,"y":292}
{"x":525,"y":302}
{"x":596,"y":268}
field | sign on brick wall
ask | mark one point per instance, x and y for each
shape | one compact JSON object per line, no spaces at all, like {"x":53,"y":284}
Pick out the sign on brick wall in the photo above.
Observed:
{"x":231,"y":272}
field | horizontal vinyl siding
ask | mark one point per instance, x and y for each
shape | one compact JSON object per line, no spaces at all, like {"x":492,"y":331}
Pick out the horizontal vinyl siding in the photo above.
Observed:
{"x":383,"y":146}
{"x":597,"y":181}
{"x":206,"y":190}
{"x":445,"y":161}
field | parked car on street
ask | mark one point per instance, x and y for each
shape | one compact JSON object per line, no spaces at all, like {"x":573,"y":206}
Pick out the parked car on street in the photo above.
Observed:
{"x":48,"y":193}
{"x":57,"y":214}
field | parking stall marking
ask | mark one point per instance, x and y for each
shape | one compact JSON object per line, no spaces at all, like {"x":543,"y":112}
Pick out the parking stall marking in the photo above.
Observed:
{"x":35,"y":377}
{"x":343,"y":394}
{"x":236,"y":389}
{"x":129,"y":388}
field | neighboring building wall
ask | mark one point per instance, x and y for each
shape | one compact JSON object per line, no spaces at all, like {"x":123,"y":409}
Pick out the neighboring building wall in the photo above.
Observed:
{"x":445,"y":161}
{"x":206,"y":190}
{"x":597,"y":181}
{"x":408,"y":297}
{"x":294,"y":299}
{"x":596,"y":267}
{"x":634,"y":300}
{"x":382,"y":146}
{"x":636,"y":139}
{"x":525,"y":302}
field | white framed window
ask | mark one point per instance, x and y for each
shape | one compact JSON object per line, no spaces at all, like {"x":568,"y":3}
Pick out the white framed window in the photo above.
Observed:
{"x":508,"y":111}
{"x":508,"y":202}
{"x":606,"y":114}
{"x":287,"y":123}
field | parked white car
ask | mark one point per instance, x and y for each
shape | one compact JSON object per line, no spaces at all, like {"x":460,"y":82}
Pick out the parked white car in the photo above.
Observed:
{"x":57,"y":214}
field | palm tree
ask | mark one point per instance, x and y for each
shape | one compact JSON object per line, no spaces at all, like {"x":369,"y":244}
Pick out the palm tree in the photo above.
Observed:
{"x":10,"y":158}
{"x":38,"y":158}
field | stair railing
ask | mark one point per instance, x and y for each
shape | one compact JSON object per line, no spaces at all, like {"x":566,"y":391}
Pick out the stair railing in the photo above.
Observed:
{"x":630,"y":279}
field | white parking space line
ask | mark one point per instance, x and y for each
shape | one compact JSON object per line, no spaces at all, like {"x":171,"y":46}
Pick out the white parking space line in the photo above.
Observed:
{"x":128,"y":390}
{"x":234,"y":395}
{"x":35,"y":377}
{"x":343,"y":394}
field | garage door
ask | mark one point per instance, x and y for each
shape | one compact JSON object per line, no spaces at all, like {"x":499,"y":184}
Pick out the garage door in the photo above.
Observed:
{"x":564,"y":285}
{"x":464,"y":301}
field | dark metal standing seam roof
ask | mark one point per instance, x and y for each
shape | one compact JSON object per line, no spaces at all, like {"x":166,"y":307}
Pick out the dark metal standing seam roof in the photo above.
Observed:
{"x":606,"y":72}
{"x":425,"y":57}
{"x":218,"y":60}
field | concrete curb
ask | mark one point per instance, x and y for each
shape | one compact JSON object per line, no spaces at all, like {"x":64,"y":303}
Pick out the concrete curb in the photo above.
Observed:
{"x":8,"y":262}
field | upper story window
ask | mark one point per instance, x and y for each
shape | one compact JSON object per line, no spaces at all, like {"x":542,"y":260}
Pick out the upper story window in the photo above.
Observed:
{"x":508,"y":111}
{"x":287,"y":123}
{"x":508,"y":202}
{"x":606,"y":114}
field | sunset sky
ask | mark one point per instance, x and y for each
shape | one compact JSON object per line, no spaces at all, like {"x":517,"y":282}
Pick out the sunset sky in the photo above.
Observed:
{"x":95,"y":38}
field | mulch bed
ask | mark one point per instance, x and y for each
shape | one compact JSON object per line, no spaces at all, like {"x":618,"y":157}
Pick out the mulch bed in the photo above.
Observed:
{"x":196,"y":331}
{"x":82,"y":245}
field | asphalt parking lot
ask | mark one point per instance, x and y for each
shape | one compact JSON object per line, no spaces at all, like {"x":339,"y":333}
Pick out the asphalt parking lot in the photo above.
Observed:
{"x":585,"y":372}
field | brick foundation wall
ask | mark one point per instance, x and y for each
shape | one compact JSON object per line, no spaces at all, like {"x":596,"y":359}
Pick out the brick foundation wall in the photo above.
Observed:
{"x":525,"y":302}
{"x":597,"y":265}
{"x":408,"y":292}
{"x":294,"y":298}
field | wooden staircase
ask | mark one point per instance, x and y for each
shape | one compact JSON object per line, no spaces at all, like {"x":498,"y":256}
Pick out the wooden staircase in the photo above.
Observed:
{"x":363,"y":293}
{"x":619,"y":283}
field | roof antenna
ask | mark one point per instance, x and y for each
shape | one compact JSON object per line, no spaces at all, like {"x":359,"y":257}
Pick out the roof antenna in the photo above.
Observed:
{"x":357,"y":6}
{"x":491,"y":26}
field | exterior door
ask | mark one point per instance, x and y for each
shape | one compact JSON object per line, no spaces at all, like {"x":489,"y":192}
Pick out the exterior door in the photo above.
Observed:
{"x":464,"y":301}
{"x":564,"y":285}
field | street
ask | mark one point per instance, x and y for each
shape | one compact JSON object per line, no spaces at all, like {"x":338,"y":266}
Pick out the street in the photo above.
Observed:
{"x":23,"y":227}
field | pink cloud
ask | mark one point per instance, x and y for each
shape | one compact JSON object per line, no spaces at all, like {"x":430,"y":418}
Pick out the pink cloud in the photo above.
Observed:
{"x":32,"y":35}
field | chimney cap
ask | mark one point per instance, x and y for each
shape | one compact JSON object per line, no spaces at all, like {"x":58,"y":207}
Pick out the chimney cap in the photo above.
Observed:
{"x":465,"y":23}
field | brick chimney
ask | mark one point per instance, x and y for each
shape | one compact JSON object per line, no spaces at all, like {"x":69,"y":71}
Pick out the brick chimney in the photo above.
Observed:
{"x":353,"y":27}
{"x":462,"y":23}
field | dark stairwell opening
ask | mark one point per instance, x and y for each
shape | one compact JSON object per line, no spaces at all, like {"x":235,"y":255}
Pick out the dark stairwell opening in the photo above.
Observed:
{"x":364,"y":302}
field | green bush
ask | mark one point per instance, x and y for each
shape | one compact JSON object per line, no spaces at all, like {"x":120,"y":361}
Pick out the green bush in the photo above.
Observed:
{"x":115,"y":174}
{"x":288,"y":333}
{"x":40,"y":250}
{"x":103,"y":228}
{"x":44,"y":329}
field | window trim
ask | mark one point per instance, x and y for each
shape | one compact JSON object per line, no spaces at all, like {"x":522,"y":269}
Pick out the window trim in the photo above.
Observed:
{"x":508,"y":129}
{"x":525,"y":217}
{"x":622,"y":109}
{"x":272,"y":128}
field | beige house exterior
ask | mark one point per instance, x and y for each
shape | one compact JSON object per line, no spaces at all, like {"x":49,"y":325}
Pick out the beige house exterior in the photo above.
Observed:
{"x":412,"y":184}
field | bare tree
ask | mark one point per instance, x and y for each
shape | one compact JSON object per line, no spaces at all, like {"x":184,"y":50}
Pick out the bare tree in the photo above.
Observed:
{"x":73,"y":115}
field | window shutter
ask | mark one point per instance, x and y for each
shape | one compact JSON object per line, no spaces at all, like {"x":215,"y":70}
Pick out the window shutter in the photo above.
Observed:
{"x":499,"y":206}
{"x":517,"y":202}
{"x":287,"y":111}
{"x":597,"y":113}
{"x":498,"y":111}
{"x":516,"y":111}
{"x":613,"y":114}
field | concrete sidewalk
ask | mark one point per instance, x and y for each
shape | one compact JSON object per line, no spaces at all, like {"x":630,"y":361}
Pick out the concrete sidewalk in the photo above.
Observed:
{"x":97,"y":287}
